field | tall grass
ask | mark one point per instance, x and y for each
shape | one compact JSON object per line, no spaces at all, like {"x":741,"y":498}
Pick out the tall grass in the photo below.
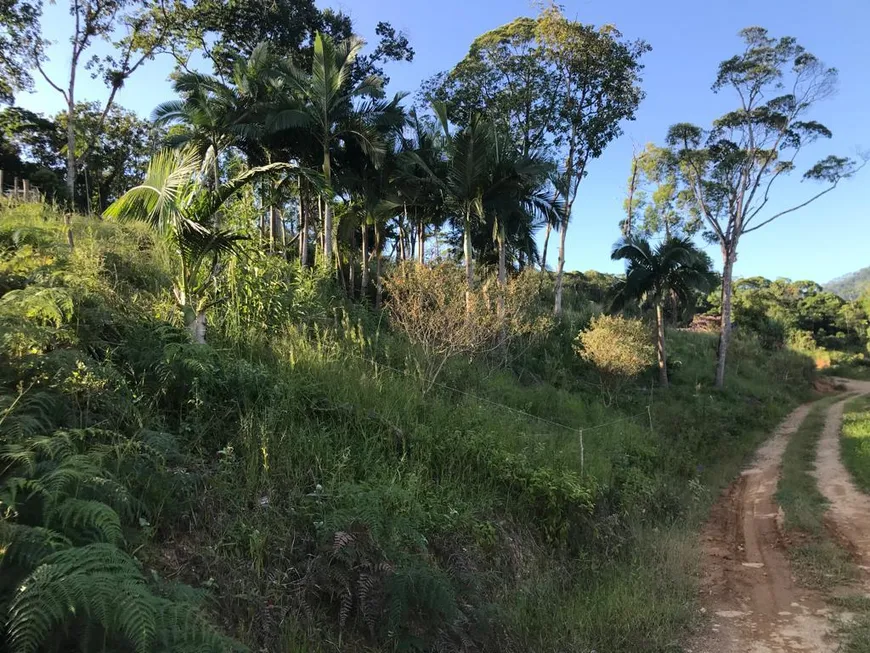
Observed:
{"x":855,"y":442}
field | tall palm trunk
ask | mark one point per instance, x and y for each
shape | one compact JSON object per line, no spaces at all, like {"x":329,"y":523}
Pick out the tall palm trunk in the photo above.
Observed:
{"x":379,"y":288}
{"x":725,"y":325}
{"x":327,"y":209}
{"x":364,"y":264}
{"x":303,"y":229}
{"x":557,"y":308}
{"x":660,"y":344}
{"x":469,"y":265}
{"x":502,"y":275}
{"x":544,"y":250}
{"x":421,"y":242}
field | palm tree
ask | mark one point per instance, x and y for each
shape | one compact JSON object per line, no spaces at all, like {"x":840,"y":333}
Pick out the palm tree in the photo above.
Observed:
{"x":675,"y":268}
{"x":178,"y":201}
{"x":206,"y":110}
{"x":515,"y":199}
{"x":325,"y":102}
{"x":470,"y":155}
{"x":420,"y":165}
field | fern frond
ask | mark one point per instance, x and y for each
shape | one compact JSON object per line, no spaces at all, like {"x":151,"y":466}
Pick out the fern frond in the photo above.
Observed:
{"x":47,"y":305}
{"x":74,"y":470}
{"x":90,"y":518}
{"x":84,"y":580}
{"x":16,"y":456}
{"x":184,"y":628}
{"x":25,"y":546}
{"x":136,"y":615}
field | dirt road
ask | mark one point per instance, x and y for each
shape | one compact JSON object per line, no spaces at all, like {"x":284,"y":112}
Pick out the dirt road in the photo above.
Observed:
{"x":750,"y":594}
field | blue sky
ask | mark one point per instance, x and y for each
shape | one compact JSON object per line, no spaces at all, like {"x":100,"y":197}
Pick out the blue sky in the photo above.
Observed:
{"x":689,"y":38}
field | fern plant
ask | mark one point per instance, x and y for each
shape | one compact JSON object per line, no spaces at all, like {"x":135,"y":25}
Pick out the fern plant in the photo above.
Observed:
{"x":64,"y":577}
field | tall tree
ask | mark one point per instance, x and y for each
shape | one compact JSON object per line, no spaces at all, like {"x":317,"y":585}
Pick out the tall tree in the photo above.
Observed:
{"x":121,"y":144}
{"x":224,"y":31}
{"x":19,"y":33}
{"x":504,"y":77}
{"x":730,"y":169}
{"x":674,"y":268}
{"x":598,"y":76}
{"x":143,"y":26}
{"x":208,"y":111}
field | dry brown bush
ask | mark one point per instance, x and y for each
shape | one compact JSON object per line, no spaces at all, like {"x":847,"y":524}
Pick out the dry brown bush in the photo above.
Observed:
{"x":428,"y":303}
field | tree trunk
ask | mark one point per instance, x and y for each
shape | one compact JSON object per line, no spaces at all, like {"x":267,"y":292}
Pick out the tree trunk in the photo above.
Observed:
{"x":303,"y":232}
{"x":327,"y":233}
{"x":71,"y":144}
{"x":379,"y":288}
{"x":544,"y":251}
{"x":421,"y":242}
{"x":502,"y":276}
{"x":283,"y":234}
{"x":197,"y":328}
{"x":364,"y":264}
{"x":327,"y":210}
{"x":557,"y":308}
{"x":469,"y":266}
{"x":660,"y":345}
{"x":725,"y":326}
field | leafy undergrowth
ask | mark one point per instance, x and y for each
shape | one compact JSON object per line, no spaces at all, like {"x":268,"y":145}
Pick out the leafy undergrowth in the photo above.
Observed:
{"x":855,"y":442}
{"x":294,"y":471}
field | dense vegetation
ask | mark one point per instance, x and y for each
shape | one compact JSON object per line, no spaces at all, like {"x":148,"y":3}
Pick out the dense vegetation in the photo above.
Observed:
{"x":284,"y":367}
{"x":296,"y":471}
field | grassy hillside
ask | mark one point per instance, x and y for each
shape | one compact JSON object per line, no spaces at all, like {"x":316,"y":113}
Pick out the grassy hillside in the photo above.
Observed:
{"x":290,"y":482}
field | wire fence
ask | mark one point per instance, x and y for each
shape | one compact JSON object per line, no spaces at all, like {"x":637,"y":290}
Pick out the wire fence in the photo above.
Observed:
{"x":579,"y":430}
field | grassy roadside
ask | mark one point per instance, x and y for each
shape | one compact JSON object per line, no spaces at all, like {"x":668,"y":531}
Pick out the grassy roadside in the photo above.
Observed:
{"x":818,"y":560}
{"x":855,"y":443}
{"x":855,"y":451}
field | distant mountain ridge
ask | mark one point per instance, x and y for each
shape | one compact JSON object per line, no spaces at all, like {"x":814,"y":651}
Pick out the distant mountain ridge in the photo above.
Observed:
{"x":850,"y":286}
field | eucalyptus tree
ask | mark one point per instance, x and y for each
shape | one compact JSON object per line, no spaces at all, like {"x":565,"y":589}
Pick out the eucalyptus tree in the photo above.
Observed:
{"x":598,"y":75}
{"x":730,"y":169}
{"x":676,"y":268}
{"x":135,"y":30}
{"x":505,"y":77}
{"x":177,"y":199}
